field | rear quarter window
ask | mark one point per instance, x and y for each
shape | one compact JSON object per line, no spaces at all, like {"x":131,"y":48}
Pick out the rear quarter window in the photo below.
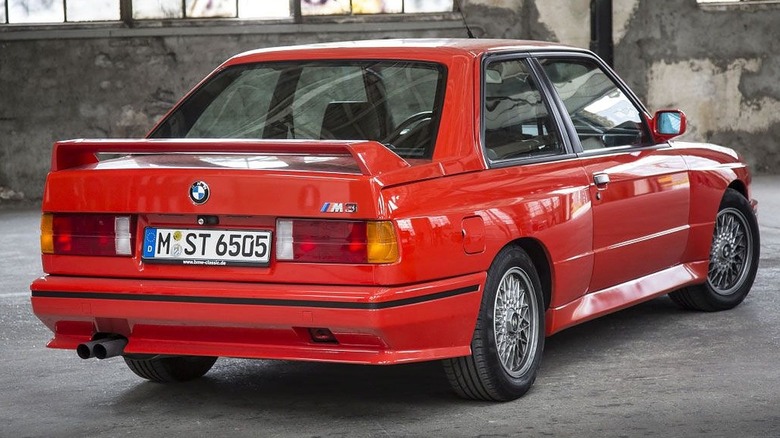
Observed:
{"x":516,"y":121}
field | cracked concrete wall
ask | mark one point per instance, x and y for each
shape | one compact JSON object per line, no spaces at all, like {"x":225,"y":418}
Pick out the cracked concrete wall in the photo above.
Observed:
{"x":669,"y":51}
{"x":57,"y":89}
{"x":719,"y":65}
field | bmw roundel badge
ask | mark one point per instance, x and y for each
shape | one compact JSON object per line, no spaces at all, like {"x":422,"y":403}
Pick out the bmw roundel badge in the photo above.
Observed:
{"x":199,"y":192}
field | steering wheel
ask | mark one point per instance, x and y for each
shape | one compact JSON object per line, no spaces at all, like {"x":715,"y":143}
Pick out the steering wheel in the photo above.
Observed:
{"x":405,"y":125}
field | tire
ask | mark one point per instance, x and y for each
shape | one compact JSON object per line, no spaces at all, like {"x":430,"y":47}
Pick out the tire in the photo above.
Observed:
{"x":733,"y":259}
{"x":166,"y":369}
{"x":510,"y":320}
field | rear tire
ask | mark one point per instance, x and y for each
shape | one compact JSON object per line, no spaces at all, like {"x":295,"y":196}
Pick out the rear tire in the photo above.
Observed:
{"x":506,"y":348}
{"x":733,"y":259}
{"x":166,"y":369}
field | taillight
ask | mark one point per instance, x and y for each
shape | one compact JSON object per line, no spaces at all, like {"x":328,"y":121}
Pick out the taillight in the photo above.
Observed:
{"x":87,"y":234}
{"x":336,"y":241}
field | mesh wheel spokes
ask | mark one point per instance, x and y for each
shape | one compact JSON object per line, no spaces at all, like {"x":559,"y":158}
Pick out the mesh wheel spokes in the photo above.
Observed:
{"x":732,"y":248}
{"x":515,"y":325}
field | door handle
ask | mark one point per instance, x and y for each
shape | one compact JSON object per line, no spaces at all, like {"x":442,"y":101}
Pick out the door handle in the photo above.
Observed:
{"x":600,"y":179}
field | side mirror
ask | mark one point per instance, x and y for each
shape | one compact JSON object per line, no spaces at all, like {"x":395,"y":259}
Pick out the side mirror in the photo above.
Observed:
{"x":668,"y":124}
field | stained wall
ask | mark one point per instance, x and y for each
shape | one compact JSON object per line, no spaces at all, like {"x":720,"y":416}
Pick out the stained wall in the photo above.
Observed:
{"x":57,"y":82}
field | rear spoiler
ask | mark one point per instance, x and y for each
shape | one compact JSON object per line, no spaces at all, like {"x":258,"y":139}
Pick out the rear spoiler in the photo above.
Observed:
{"x":371,"y":157}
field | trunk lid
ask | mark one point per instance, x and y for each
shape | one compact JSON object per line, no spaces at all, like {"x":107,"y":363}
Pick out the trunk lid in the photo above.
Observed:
{"x":244,"y":177}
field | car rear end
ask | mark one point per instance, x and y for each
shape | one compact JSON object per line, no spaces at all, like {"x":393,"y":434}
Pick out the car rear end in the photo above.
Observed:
{"x":228,"y":235}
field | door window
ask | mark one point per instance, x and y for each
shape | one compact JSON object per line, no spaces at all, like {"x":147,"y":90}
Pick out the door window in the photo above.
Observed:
{"x":602,"y":114}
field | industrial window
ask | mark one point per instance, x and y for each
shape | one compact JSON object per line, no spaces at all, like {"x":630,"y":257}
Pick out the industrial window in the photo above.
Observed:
{"x":342,"y":7}
{"x":736,"y":2}
{"x":57,"y":11}
{"x":60,"y":11}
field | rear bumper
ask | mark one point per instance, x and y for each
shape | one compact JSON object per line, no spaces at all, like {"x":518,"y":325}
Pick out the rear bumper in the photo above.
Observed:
{"x":372,"y":325}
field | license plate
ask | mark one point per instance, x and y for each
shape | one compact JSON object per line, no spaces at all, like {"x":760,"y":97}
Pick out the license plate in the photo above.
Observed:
{"x":207,"y":247}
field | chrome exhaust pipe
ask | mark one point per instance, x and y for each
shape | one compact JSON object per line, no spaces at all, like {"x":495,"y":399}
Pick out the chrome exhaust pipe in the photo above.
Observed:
{"x":102,"y":348}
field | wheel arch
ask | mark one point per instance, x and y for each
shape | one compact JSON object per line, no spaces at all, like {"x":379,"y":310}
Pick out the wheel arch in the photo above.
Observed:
{"x":541,"y":260}
{"x":739,"y":186}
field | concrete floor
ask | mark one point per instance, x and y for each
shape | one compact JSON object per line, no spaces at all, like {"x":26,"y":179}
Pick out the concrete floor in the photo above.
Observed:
{"x":649,"y":370}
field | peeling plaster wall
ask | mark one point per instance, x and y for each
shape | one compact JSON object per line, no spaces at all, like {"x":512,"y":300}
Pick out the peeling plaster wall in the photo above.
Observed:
{"x":567,"y":20}
{"x":720,"y":66}
{"x":622,"y":12}
{"x":672,"y":53}
{"x":666,"y":89}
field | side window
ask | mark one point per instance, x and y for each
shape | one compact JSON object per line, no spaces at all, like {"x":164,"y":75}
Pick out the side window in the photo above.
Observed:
{"x":516,"y":121}
{"x":602,"y":114}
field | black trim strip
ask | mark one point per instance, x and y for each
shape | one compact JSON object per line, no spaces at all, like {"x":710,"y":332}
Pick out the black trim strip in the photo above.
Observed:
{"x":255,"y":301}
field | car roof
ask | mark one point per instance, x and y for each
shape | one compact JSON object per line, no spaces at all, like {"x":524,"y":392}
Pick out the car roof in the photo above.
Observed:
{"x":398,"y":48}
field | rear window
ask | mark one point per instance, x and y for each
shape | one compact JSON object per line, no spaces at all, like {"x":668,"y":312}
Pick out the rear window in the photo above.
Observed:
{"x":397,"y":103}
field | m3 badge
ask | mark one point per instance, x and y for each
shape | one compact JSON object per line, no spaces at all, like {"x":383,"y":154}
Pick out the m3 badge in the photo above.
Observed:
{"x":339,"y":207}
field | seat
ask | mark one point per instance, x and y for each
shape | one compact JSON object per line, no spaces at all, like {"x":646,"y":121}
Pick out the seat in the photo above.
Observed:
{"x":350,"y":121}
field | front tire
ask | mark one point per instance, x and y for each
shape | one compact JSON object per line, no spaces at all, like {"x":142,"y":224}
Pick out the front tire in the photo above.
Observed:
{"x":166,"y":369}
{"x":733,"y":259}
{"x":506,"y":348}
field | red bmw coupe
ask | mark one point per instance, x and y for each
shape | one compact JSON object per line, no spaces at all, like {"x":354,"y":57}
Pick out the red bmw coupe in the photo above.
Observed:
{"x":384,"y":202}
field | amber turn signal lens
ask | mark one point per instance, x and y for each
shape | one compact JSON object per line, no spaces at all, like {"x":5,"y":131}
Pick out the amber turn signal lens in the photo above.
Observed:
{"x":382,"y":242}
{"x":47,"y":233}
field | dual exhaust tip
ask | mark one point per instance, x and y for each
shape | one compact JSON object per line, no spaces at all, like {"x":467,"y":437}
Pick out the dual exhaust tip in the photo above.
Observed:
{"x":102,"y":348}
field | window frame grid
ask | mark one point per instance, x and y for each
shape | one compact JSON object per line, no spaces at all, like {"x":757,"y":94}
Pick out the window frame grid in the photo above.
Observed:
{"x":295,"y":16}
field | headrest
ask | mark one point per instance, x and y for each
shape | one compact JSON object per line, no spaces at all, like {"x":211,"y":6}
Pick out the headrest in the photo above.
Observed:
{"x":350,"y":121}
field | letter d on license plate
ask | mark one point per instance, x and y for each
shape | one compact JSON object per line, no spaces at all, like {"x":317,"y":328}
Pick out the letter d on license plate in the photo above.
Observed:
{"x":207,"y":247}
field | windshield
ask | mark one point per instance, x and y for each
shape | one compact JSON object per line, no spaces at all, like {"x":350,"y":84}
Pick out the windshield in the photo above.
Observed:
{"x":397,"y":103}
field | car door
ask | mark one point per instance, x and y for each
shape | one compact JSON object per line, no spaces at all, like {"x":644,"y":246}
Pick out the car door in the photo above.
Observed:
{"x":535,"y":172}
{"x":639,"y":190}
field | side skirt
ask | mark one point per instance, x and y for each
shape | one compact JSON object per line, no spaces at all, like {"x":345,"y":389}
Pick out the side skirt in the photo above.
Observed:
{"x":595,"y":304}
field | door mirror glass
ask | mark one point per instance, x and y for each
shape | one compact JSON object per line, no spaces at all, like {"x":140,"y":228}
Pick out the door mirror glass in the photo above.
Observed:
{"x":669,"y":122}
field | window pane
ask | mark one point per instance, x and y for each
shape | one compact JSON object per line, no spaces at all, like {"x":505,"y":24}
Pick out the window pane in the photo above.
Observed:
{"x":240,"y":110}
{"x":143,"y":9}
{"x":325,"y":7}
{"x":211,"y":8}
{"x":516,"y":121}
{"x":427,"y":5}
{"x":35,"y":11}
{"x":2,"y":11}
{"x":602,"y":115}
{"x":397,"y":103}
{"x":95,"y":10}
{"x":264,"y":9}
{"x":377,"y":6}
{"x":317,"y":88}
